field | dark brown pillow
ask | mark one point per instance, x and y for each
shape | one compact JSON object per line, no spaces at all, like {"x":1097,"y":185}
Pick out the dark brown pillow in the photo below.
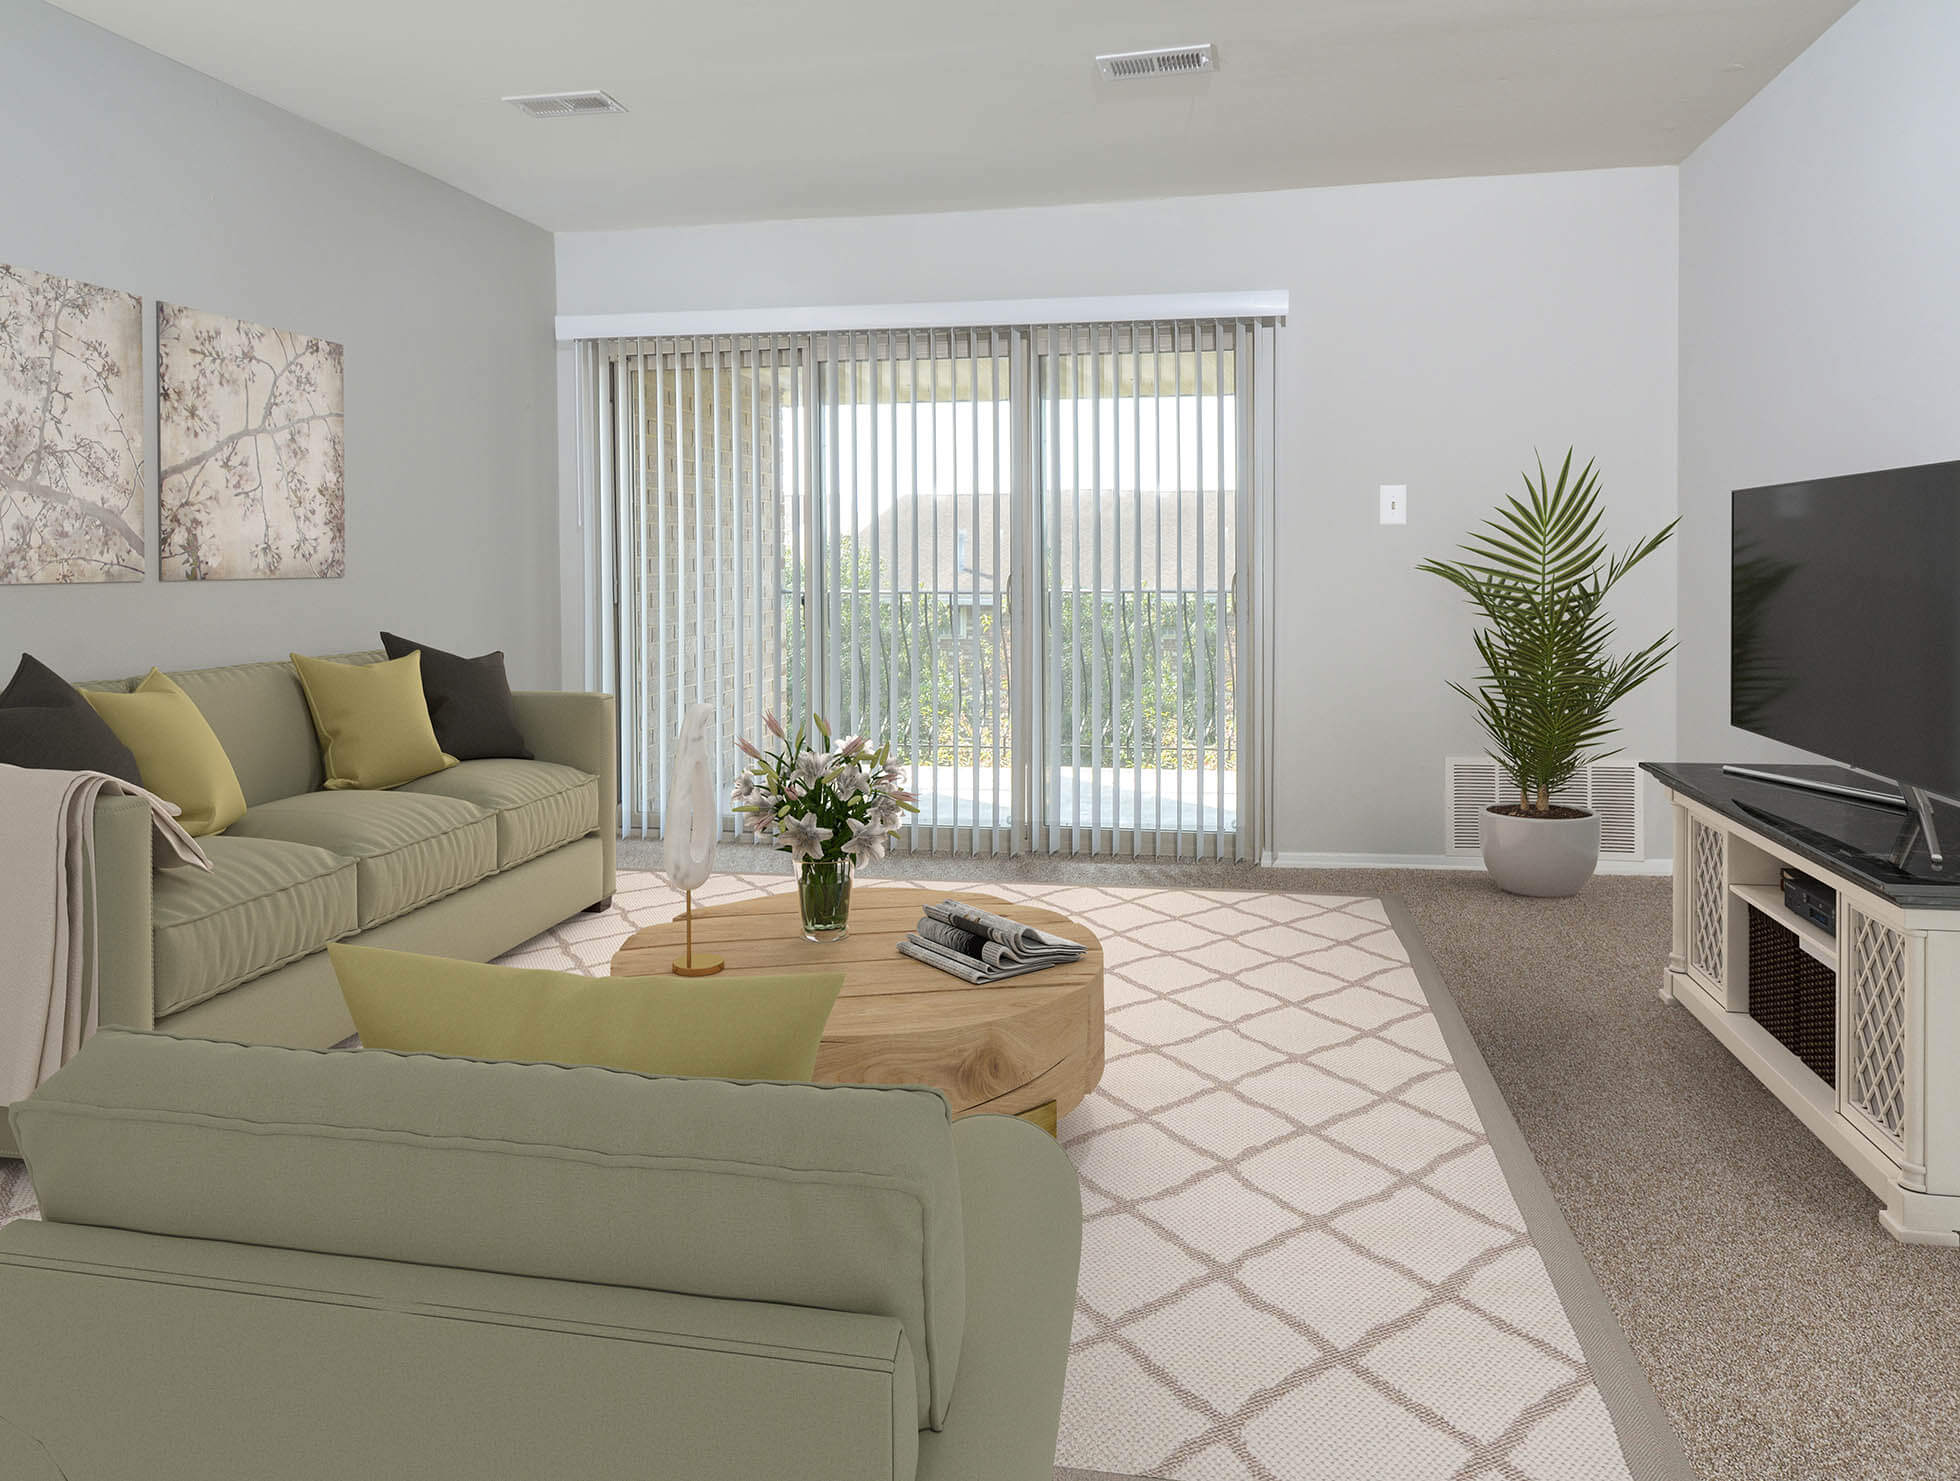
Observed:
{"x":46,"y":725}
{"x":469,"y":701}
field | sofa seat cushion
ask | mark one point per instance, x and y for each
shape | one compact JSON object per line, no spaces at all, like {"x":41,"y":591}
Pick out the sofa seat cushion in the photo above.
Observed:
{"x":263,"y":904}
{"x":539,"y":804}
{"x":408,"y":850}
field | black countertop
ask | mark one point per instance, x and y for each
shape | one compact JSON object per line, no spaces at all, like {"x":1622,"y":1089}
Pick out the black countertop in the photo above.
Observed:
{"x":1876,"y":847}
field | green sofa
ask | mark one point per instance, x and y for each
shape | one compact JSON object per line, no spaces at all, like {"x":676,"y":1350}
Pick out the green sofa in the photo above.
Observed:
{"x":260,"y":1261}
{"x":466,"y":863}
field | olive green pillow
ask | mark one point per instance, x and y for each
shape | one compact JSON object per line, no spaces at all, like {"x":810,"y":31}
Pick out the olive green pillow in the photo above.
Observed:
{"x":372,"y":721}
{"x":177,"y":752}
{"x":724,"y":1027}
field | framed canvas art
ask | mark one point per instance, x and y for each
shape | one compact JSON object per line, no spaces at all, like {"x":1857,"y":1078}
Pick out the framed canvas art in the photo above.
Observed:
{"x":249,"y":423}
{"x":72,"y":471}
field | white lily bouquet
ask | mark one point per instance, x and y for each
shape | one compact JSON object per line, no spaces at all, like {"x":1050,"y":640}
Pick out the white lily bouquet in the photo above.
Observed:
{"x":828,"y":805}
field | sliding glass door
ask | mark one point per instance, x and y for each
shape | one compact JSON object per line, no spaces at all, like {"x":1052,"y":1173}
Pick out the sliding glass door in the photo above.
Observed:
{"x":915,"y":447}
{"x":1013,"y":552}
{"x":704,"y":509}
{"x":1137,"y":495}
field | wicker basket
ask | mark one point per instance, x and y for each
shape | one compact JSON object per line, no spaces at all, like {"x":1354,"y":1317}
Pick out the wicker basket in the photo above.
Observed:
{"x":1793,"y":995}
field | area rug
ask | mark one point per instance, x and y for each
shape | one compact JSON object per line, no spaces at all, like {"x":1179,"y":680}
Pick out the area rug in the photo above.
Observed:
{"x":1303,"y":1255}
{"x":1314,"y":1244}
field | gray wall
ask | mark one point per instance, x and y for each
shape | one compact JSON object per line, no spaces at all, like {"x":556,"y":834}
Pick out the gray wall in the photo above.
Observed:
{"x":123,"y":168}
{"x":1820,"y":302}
{"x":1440,"y":331}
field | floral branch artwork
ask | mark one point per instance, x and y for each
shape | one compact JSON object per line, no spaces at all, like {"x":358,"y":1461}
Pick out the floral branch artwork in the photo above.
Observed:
{"x":71,"y":431}
{"x":250,"y":423}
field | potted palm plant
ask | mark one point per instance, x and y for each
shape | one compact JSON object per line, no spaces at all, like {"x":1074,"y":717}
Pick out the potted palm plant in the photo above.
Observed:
{"x":1538,"y":574}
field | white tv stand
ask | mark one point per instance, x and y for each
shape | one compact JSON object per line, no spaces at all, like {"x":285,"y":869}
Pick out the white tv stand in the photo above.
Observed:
{"x":1893,"y":1116}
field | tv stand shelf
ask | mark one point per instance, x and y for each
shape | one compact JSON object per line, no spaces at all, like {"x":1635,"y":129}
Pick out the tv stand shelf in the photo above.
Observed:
{"x":1893,"y":1118}
{"x":1813,"y":938}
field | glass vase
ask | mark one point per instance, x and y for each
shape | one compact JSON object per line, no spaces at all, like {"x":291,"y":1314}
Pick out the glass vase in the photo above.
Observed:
{"x":823,"y":888}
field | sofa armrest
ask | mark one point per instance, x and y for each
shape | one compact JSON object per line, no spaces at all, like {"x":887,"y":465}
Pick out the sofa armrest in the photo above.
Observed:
{"x":120,"y":917}
{"x":576,"y":729}
{"x":116,"y":927}
{"x":1023,"y":1211}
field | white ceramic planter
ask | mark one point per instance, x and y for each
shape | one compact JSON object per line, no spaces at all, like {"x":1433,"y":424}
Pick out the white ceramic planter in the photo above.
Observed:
{"x":1549,"y":857}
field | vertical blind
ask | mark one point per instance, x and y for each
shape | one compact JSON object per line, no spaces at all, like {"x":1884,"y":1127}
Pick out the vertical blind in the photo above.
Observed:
{"x":1024,"y":555}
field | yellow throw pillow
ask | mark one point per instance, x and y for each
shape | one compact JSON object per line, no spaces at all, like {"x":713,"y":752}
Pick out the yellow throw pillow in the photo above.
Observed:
{"x":724,"y":1027}
{"x":177,"y":752}
{"x":372,"y":721}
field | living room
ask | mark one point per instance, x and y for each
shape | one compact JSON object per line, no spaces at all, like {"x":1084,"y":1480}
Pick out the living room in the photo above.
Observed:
{"x":1099,"y":481}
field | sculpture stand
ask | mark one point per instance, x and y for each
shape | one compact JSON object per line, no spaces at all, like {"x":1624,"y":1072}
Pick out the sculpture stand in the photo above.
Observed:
{"x":690,"y":965}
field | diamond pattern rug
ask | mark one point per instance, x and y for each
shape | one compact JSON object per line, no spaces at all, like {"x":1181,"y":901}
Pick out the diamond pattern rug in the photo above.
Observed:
{"x":1301,"y":1258}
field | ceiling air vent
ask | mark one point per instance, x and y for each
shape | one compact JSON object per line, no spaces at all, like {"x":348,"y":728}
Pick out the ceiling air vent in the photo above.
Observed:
{"x":565,"y":105}
{"x":1165,"y":61}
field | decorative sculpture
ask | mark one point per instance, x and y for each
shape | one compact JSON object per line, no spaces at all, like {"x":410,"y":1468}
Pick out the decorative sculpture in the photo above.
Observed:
{"x":692,"y":825}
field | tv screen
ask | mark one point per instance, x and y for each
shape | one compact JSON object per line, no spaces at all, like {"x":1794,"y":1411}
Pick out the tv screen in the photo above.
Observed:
{"x":1845,"y":607}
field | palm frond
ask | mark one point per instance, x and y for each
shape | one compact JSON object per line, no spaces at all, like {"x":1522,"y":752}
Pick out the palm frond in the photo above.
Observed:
{"x":1538,"y":572}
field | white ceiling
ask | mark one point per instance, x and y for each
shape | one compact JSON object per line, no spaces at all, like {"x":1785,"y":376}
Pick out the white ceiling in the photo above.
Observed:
{"x":750,"y":109}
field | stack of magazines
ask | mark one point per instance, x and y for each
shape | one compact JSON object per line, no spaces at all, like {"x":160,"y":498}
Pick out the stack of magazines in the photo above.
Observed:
{"x":981,"y":947}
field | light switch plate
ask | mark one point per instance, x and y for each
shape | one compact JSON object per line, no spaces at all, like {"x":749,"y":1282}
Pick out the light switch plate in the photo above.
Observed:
{"x":1395,"y":503}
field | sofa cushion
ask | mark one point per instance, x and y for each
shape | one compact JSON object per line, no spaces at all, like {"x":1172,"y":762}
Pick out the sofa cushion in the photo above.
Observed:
{"x":735,"y":1026}
{"x":409,"y":849}
{"x":259,"y":713}
{"x":538,"y":804}
{"x":262,"y":904}
{"x":45,"y":724}
{"x":841,"y":1197}
{"x":470,"y":702}
{"x":373,"y":721}
{"x":178,"y":753}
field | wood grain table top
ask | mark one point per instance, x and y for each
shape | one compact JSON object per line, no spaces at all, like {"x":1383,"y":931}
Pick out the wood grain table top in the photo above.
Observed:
{"x":1008,"y":1048}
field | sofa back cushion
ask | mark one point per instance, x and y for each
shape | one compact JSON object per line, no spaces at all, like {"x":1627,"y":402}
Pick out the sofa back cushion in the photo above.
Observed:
{"x":259,"y":713}
{"x":839,"y":1197}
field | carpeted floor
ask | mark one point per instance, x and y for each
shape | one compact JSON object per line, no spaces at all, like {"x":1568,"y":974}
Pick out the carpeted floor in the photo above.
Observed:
{"x":1787,"y":1336}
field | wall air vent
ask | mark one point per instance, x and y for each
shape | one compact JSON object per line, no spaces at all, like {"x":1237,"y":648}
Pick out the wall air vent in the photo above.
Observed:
{"x":565,"y":105}
{"x":1609,"y":788}
{"x":1165,"y":61}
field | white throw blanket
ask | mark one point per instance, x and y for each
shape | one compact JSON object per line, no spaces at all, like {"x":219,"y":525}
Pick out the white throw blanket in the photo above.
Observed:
{"x":47,"y":874}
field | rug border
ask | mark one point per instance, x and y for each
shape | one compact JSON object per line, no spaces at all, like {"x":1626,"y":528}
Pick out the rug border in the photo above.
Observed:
{"x":1652,"y":1450}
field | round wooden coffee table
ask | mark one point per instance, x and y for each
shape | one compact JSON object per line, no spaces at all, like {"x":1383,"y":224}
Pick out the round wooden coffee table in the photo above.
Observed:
{"x":1032,"y":1047}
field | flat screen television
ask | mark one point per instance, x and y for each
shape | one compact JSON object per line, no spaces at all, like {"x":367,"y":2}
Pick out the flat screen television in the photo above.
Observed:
{"x":1845,"y":633}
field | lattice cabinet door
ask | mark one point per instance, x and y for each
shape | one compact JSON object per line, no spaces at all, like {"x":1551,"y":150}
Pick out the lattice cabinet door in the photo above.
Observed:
{"x":1880,"y":977}
{"x":1708,"y":905}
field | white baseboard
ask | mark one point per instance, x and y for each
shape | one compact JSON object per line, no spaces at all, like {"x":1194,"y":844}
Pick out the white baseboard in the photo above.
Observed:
{"x":1438,"y":861}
